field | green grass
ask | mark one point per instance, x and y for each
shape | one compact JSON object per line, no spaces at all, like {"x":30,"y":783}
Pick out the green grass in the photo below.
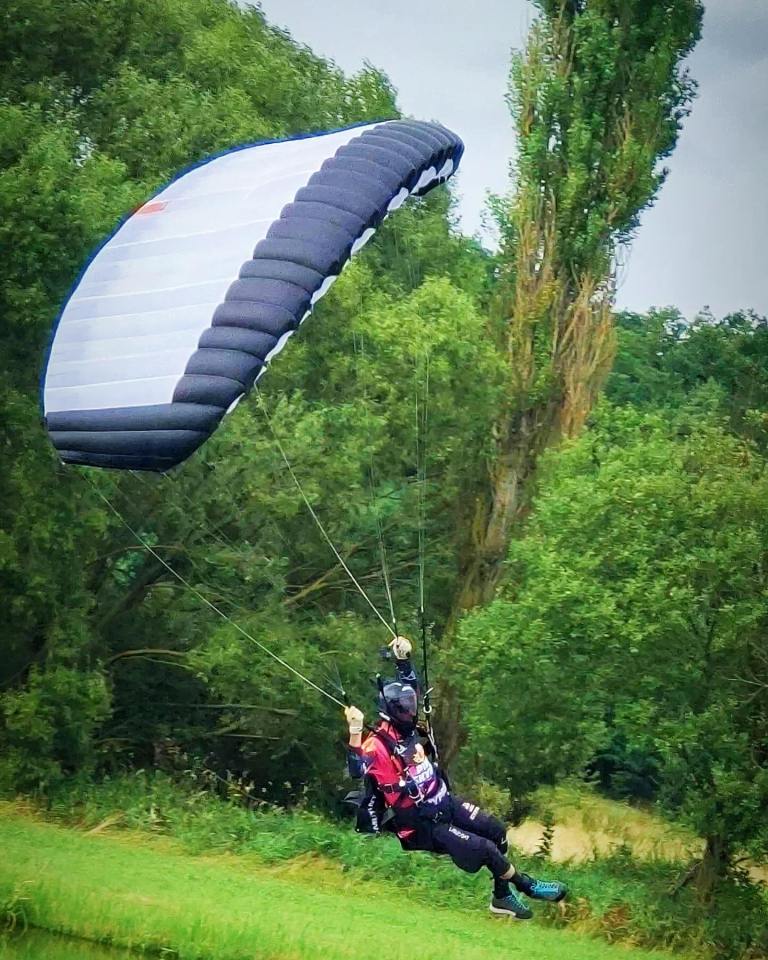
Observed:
{"x":616,"y":897}
{"x":619,"y":897}
{"x":41,"y":945}
{"x":147,"y":894}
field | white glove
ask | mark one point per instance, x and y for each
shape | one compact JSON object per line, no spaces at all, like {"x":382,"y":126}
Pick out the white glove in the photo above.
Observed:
{"x":354,"y":720}
{"x":401,"y":648}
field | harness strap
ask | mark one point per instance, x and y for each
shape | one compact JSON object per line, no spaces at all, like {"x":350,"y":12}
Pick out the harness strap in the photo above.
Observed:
{"x":391,"y":747}
{"x":402,"y":786}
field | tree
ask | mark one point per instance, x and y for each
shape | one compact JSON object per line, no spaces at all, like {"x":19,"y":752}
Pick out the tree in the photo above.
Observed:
{"x":598,"y":100}
{"x":663,"y":361}
{"x":635,"y":609}
{"x":343,"y":403}
{"x":101,"y":645}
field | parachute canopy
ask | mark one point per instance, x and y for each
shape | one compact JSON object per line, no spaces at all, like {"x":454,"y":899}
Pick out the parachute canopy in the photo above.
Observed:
{"x":179,"y":313}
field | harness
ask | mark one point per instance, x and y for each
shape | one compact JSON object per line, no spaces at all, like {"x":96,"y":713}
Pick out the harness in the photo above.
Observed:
{"x":375,"y":815}
{"x":405,"y":786}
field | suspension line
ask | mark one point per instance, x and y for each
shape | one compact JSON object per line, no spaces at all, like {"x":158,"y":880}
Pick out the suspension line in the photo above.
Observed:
{"x":203,"y":599}
{"x":314,"y":515}
{"x":422,"y":423}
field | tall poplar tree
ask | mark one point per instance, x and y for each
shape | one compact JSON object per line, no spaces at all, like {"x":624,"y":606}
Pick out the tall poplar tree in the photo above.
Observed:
{"x":598,"y":98}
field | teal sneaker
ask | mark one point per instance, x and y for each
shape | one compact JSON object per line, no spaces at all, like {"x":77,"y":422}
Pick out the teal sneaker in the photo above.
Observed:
{"x":510,"y":906}
{"x":541,"y":889}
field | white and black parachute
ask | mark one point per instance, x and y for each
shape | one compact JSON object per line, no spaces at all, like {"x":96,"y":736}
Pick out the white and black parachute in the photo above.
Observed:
{"x":178,"y":314}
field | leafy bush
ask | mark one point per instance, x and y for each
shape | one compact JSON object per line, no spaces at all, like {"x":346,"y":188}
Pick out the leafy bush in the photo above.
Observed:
{"x":47,"y":727}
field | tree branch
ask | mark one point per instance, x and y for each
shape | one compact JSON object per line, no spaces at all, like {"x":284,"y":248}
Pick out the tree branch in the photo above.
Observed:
{"x":144,"y":652}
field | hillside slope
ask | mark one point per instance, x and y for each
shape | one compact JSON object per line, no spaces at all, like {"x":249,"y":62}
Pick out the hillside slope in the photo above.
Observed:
{"x":144,"y":893}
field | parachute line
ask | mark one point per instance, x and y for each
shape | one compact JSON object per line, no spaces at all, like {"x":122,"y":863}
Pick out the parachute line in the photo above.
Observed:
{"x":360,"y":352}
{"x":314,"y":515}
{"x":221,"y":539}
{"x":422,"y":423}
{"x":203,"y":599}
{"x":382,"y":548}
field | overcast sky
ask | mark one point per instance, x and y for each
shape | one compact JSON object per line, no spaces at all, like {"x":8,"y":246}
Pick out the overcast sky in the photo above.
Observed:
{"x":704,"y":241}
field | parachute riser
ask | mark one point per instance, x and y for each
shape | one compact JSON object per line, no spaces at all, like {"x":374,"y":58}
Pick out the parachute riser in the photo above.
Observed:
{"x":427,"y":696}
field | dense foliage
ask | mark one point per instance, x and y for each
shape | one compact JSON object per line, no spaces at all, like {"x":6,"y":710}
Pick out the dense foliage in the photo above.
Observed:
{"x":107,"y":658}
{"x":632,"y":619}
{"x":626,"y":641}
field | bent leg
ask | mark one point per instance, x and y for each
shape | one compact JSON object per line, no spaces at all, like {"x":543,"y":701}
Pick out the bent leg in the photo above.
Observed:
{"x":469,"y":851}
{"x":468,"y":816}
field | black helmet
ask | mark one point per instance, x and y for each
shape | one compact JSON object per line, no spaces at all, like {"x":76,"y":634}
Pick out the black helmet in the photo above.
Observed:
{"x":399,"y":704}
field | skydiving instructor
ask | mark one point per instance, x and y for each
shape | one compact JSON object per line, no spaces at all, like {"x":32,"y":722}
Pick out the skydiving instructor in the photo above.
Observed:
{"x":403,"y":781}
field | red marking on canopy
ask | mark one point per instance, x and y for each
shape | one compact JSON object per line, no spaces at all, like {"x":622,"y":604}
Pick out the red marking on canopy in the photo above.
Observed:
{"x":154,"y":206}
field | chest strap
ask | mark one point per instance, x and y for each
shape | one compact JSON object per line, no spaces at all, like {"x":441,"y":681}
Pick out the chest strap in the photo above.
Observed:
{"x":406,"y":786}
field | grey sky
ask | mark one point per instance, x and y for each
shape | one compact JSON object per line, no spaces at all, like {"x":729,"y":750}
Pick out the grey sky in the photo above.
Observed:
{"x":703,"y":241}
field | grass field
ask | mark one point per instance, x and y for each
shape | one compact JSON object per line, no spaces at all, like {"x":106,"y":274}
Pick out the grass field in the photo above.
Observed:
{"x":146,"y":893}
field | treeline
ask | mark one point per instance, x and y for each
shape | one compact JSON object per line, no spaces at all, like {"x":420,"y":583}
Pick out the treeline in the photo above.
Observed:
{"x":628,"y":642}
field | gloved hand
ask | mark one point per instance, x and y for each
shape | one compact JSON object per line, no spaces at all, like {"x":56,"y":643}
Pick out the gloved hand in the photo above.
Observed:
{"x":401,"y":648}
{"x":354,"y":720}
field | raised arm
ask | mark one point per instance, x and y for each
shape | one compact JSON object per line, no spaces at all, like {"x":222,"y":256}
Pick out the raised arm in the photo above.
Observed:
{"x":401,"y":650}
{"x":355,"y":762}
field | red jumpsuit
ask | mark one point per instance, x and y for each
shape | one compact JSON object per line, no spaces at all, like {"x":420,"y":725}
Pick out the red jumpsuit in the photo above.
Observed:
{"x":405,"y":781}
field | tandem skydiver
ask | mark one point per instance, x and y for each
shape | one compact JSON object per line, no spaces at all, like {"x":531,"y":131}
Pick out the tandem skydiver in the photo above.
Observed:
{"x":403,"y":783}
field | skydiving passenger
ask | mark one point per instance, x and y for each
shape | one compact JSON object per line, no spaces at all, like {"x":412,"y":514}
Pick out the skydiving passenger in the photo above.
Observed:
{"x":402,"y":783}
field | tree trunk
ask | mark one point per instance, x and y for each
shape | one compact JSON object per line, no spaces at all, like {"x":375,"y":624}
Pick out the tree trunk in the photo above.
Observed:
{"x":713,"y":868}
{"x":519,"y":441}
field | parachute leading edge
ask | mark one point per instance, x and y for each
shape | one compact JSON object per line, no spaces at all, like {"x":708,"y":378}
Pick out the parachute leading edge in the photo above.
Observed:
{"x":178,"y":315}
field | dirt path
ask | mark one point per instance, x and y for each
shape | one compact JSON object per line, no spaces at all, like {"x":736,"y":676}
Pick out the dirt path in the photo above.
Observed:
{"x":587,"y":826}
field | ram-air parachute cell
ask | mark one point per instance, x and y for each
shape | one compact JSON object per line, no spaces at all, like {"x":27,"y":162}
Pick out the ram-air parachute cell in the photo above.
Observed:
{"x":180,"y":311}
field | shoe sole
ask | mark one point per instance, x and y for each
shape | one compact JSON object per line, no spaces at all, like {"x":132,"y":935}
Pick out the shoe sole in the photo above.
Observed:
{"x":498,"y":912}
{"x":559,"y":899}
